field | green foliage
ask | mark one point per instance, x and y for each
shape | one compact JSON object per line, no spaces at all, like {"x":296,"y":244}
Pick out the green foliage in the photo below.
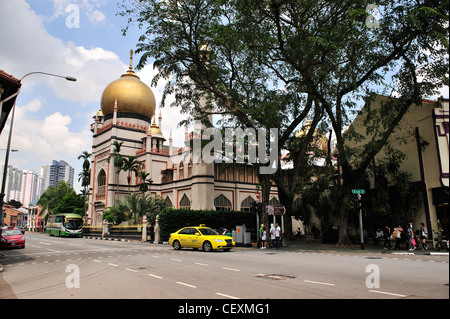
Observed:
{"x":171,"y":219}
{"x":70,"y":203}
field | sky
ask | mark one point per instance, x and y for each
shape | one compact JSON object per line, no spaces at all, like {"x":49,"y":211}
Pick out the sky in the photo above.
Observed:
{"x":53,"y":116}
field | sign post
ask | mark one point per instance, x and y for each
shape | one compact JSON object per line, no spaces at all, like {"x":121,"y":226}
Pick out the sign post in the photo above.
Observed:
{"x":359,"y":192}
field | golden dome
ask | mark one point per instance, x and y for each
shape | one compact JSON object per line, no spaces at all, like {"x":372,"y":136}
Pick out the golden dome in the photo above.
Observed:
{"x":132,"y":95}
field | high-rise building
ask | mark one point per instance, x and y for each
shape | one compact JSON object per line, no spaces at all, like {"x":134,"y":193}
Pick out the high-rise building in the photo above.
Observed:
{"x":31,"y":187}
{"x":58,"y":171}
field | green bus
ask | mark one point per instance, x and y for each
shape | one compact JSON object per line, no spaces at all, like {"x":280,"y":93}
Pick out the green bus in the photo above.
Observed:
{"x":66,"y":225}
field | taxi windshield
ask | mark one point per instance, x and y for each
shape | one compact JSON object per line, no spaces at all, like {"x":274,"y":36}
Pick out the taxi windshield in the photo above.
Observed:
{"x":208,"y":231}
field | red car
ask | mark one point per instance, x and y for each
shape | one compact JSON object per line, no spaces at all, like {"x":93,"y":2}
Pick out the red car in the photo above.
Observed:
{"x":12,"y":237}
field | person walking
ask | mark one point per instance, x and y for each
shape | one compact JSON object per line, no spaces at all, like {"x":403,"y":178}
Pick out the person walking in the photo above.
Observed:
{"x":398,"y":236}
{"x":378,"y":235}
{"x":423,"y":235}
{"x":263,"y":238}
{"x":411,"y":236}
{"x":278,"y":235}
{"x":387,"y":237}
{"x":272,"y":236}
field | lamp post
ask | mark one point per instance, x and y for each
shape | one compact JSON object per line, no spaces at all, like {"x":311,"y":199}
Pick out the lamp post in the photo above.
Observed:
{"x":8,"y":147}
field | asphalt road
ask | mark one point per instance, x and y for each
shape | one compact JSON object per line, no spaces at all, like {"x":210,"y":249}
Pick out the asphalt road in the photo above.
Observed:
{"x":67,"y":268}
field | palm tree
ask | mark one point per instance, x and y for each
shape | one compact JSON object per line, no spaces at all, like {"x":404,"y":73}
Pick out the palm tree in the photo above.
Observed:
{"x":85,"y":175}
{"x":146,"y":181}
{"x":117,"y":161}
{"x":130,"y":164}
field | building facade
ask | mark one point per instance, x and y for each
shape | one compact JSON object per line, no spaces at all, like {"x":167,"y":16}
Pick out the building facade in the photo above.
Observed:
{"x":58,"y":171}
{"x":127,"y":116}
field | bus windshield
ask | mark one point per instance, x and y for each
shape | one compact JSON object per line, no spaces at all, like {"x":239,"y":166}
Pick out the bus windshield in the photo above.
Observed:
{"x":74,"y":223}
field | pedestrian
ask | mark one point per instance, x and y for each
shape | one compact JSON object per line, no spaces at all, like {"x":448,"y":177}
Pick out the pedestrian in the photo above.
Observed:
{"x":299,"y":233}
{"x":423,"y":235}
{"x":272,"y":235}
{"x":152,"y":233}
{"x":398,"y":236}
{"x":378,"y":235}
{"x":278,"y":235}
{"x":263,"y":238}
{"x":260,"y":235}
{"x":387,"y":237}
{"x":411,"y":240}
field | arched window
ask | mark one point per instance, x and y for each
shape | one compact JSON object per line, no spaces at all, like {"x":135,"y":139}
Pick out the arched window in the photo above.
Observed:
{"x":101,"y":183}
{"x":185,"y":202}
{"x":222,"y":203}
{"x":181,"y":171}
{"x":274,"y":201}
{"x":247,"y":203}
{"x":168,"y":202}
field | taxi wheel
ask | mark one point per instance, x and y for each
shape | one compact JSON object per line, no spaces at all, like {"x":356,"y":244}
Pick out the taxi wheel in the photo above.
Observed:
{"x":176,"y":245}
{"x":207,"y":246}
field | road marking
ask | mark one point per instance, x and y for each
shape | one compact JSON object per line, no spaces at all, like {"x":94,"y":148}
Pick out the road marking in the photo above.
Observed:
{"x":226,"y":296}
{"x":129,"y":269}
{"x":57,"y":251}
{"x":319,"y":283}
{"x":200,"y":264}
{"x":185,"y":284}
{"x":35,"y":246}
{"x":231,"y":269}
{"x":113,"y":265}
{"x":156,"y":256}
{"x":44,"y":243}
{"x":388,"y":293}
{"x":97,"y":261}
{"x":154,"y":276}
{"x":179,"y":260}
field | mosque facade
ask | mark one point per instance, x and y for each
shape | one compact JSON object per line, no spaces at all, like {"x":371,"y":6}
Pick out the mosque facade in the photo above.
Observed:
{"x":128,"y":117}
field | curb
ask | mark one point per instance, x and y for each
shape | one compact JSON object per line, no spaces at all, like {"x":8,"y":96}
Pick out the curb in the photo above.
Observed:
{"x":422,"y":253}
{"x":104,"y":238}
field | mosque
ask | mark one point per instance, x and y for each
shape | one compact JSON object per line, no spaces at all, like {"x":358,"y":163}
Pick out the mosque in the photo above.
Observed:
{"x":128,"y":116}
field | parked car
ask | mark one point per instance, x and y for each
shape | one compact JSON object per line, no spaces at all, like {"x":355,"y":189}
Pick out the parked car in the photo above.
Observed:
{"x":12,"y":237}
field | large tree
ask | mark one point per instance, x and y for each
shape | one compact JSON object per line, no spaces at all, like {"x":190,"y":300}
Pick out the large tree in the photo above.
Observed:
{"x":269,"y":63}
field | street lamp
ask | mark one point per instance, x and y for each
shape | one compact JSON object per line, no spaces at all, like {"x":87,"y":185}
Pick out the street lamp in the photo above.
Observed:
{"x":8,"y":147}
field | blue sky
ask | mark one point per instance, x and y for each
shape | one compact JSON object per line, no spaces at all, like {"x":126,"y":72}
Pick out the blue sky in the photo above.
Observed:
{"x":53,"y":116}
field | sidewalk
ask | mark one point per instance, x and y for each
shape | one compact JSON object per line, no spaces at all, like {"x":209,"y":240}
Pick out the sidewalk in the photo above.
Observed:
{"x":303,"y":245}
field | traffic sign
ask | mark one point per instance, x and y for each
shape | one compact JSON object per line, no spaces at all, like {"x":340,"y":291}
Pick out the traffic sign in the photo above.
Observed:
{"x":275,"y":209}
{"x":358,"y":191}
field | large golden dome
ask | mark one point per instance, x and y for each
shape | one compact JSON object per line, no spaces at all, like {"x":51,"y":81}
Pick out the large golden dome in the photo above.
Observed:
{"x":132,"y":95}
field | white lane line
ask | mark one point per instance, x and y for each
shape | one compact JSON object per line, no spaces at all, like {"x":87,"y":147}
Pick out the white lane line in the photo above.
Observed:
{"x":185,"y":284}
{"x":156,"y":256}
{"x":388,"y":293}
{"x":226,"y":296}
{"x":178,"y":260}
{"x":231,"y":269}
{"x":35,"y":246}
{"x":97,"y":261}
{"x":319,"y":283}
{"x":200,"y":264}
{"x":133,"y":270}
{"x":53,"y":250}
{"x":113,"y":265}
{"x":154,"y":276}
{"x":40,"y":242}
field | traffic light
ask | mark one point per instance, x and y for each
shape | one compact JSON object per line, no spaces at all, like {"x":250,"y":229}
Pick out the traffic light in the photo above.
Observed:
{"x":358,"y":201}
{"x":253,"y":207}
{"x":259,"y":208}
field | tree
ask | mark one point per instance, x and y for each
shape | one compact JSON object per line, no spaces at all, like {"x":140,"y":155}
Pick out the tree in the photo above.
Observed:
{"x":117,"y":160}
{"x":52,"y":196}
{"x":269,"y":63}
{"x":85,"y":175}
{"x":71,"y":203}
{"x":130,"y":164}
{"x":146,"y":181}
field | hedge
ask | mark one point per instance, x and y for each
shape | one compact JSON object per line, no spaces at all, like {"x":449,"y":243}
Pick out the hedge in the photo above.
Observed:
{"x":171,"y":219}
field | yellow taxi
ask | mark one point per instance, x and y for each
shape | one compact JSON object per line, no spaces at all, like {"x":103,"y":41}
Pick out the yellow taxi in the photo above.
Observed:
{"x":200,"y":237}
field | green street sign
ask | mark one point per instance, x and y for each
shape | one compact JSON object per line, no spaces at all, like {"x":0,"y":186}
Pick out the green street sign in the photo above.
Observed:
{"x":358,"y":191}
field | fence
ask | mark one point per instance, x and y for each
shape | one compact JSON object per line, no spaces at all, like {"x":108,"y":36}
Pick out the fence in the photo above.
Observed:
{"x":120,"y":232}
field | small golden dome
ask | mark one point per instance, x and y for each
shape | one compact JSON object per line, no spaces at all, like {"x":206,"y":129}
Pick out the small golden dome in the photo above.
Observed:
{"x":132,"y":95}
